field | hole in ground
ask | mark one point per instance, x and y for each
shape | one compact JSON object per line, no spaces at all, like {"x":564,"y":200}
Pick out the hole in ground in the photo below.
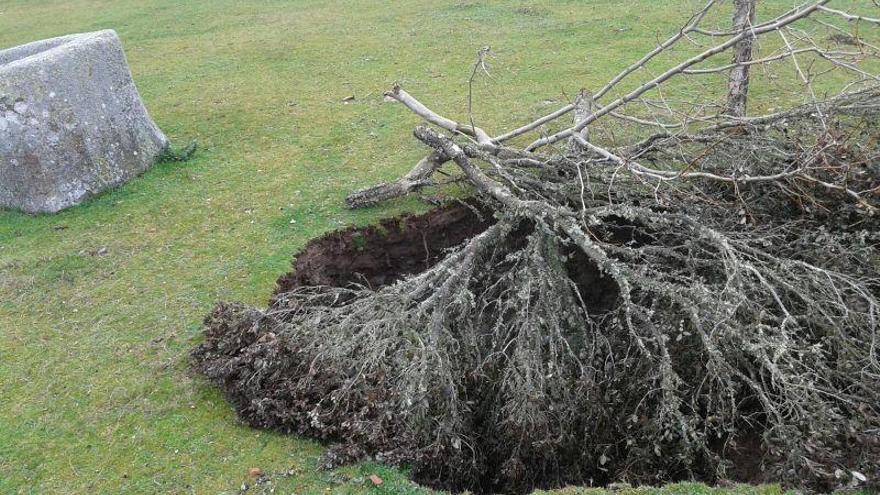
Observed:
{"x":382,"y":254}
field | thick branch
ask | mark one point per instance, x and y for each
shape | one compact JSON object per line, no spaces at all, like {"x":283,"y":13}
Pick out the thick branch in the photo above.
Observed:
{"x":421,"y":174}
{"x":583,"y":109}
{"x":417,"y":178}
{"x":429,"y":115}
{"x":738,"y":80}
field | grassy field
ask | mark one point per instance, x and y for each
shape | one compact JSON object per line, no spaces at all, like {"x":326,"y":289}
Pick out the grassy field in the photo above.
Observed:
{"x":100,"y":304}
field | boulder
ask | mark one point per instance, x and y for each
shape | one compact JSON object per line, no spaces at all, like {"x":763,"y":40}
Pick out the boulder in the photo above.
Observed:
{"x":72,"y":123}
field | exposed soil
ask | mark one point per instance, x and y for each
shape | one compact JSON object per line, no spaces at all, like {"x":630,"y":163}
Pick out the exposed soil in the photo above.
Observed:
{"x":381,"y":254}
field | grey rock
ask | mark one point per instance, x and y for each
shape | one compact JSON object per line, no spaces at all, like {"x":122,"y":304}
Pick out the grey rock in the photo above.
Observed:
{"x":72,"y":123}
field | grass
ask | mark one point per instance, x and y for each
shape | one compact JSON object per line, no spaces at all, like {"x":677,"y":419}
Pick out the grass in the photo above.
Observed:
{"x":100,"y":304}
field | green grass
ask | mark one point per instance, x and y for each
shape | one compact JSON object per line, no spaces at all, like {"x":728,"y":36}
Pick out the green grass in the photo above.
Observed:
{"x":95,"y":396}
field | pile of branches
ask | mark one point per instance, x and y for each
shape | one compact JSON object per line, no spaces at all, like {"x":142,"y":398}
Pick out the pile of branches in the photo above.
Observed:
{"x":700,"y":301}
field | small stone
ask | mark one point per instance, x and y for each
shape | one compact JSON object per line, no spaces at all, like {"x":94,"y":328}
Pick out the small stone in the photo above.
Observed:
{"x":255,"y":472}
{"x":375,"y":480}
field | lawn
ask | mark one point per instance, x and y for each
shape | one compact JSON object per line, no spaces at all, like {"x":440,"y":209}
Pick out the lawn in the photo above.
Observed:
{"x":100,"y":304}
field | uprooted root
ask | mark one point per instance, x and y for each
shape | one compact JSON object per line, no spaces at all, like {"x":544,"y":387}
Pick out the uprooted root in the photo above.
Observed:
{"x":652,"y":312}
{"x":630,"y":338}
{"x":513,"y":362}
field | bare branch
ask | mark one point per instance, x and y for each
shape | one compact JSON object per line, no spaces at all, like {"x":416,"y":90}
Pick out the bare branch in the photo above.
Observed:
{"x":417,"y":178}
{"x":800,"y":13}
{"x":429,"y":115}
{"x":848,"y":16}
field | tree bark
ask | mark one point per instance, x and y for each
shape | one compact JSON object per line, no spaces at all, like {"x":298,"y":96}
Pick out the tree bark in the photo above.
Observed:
{"x":583,"y":109}
{"x":738,"y":82}
{"x":418,"y":177}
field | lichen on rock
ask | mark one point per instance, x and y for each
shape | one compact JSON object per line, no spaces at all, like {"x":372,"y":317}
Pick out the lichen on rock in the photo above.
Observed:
{"x":72,"y":123}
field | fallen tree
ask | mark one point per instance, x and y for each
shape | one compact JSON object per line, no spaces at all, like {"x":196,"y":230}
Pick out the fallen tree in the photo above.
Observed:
{"x":687,"y":297}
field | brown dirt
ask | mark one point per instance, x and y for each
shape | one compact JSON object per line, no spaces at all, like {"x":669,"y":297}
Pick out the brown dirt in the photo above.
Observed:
{"x":381,"y":254}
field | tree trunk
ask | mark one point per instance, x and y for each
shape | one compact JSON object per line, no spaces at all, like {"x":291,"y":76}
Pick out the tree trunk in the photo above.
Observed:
{"x":738,"y":82}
